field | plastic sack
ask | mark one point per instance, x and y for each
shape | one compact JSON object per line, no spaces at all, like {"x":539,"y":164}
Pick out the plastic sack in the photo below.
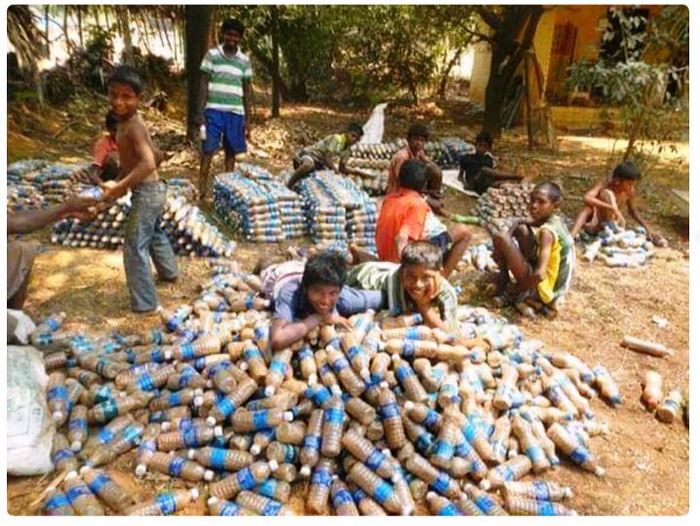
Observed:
{"x":30,"y":429}
{"x":374,"y":127}
{"x":19,"y":327}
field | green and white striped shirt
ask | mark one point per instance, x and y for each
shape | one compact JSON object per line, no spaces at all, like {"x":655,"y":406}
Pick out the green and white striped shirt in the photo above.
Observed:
{"x":226,"y":76}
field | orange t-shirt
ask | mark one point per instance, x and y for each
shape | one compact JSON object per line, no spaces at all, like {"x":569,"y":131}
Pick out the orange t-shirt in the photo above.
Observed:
{"x":103,"y":147}
{"x":400,"y":157}
{"x":404,"y":210}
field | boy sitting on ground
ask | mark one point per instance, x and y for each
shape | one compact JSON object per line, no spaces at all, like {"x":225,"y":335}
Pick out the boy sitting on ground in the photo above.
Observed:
{"x":403,"y":218}
{"x":603,"y":202}
{"x":539,"y":253}
{"x":306,"y":296}
{"x":415,"y":150}
{"x":323,"y":154}
{"x":477,"y":171}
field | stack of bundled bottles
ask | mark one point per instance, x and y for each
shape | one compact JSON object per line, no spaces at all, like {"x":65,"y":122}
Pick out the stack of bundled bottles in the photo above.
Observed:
{"x":189,"y":232}
{"x":449,"y":151}
{"x":338,"y":211}
{"x":480,"y":256}
{"x":391,"y":417}
{"x":290,"y":206}
{"x":248,"y":206}
{"x":374,"y":156}
{"x":499,"y":207}
{"x":35,"y":183}
{"x":618,"y":247}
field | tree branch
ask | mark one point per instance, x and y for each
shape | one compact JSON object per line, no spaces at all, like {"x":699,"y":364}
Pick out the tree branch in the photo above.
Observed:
{"x":489,"y":17}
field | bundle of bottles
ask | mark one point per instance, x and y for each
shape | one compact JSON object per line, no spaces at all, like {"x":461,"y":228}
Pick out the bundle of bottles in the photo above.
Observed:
{"x":189,"y":231}
{"x":338,"y":212}
{"x":500,"y":206}
{"x":391,"y":417}
{"x":480,"y":257}
{"x":618,"y":247}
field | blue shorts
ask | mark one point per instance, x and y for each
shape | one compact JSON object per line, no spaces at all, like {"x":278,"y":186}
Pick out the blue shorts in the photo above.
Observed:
{"x":442,"y":241}
{"x":230,"y":125}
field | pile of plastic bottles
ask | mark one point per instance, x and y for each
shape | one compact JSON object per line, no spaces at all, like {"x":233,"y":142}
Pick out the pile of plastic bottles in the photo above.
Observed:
{"x":35,"y":183}
{"x":391,"y":417}
{"x":618,"y":247}
{"x":500,"y":206}
{"x":480,"y":257}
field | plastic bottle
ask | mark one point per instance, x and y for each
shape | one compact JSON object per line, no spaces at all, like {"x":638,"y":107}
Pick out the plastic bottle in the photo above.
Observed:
{"x":360,"y":410}
{"x":256,"y":363}
{"x":277,"y":370}
{"x":529,"y":444}
{"x":225,"y":408}
{"x":220,"y":459}
{"x":166,"y":503}
{"x":62,"y":455}
{"x":80,"y":497}
{"x":652,"y":393}
{"x":180,"y":467}
{"x":540,"y":434}
{"x":341,"y":499}
{"x":670,"y":407}
{"x":436,"y":479}
{"x":107,"y":489}
{"x":467,"y":507}
{"x":391,"y":419}
{"x":244,"y":479}
{"x":484,"y":501}
{"x":106,"y":434}
{"x":409,"y":381}
{"x":441,"y":506}
{"x":77,"y":427}
{"x":307,"y":364}
{"x":407,"y":320}
{"x":57,"y":504}
{"x":513,"y":469}
{"x":151,"y":381}
{"x":185,"y":396}
{"x":282,"y":453}
{"x":578,"y":453}
{"x":127,"y":439}
{"x":332,"y":430}
{"x":85,"y":377}
{"x":516,"y":505}
{"x":499,"y":439}
{"x":286,"y":472}
{"x":502,"y":400}
{"x":174,"y":415}
{"x":606,"y":385}
{"x":310,"y":452}
{"x":189,"y":437}
{"x":275,"y":489}
{"x":225,"y":508}
{"x":244,"y":421}
{"x":646,"y":347}
{"x":352,"y":383}
{"x":57,"y":397}
{"x":262,"y":505}
{"x":418,"y":435}
{"x":109,"y":409}
{"x":364,"y":451}
{"x":320,"y":486}
{"x":146,"y":448}
{"x":291,"y":433}
{"x":538,"y":490}
{"x":375,"y":486}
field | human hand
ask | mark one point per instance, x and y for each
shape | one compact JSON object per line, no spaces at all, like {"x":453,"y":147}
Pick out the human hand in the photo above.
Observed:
{"x":337,"y":320}
{"x":111,"y":191}
{"x":78,"y":204}
{"x":620,"y":218}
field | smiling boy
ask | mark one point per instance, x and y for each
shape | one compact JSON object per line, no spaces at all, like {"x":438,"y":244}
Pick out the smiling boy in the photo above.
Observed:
{"x":143,"y":237}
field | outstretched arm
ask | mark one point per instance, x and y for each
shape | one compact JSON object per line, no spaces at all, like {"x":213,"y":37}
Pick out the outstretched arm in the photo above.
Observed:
{"x":31,"y":220}
{"x":145,"y":165}
{"x":284,"y":333}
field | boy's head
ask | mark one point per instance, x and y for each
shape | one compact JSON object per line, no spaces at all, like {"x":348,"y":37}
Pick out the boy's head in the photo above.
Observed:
{"x":266,"y":261}
{"x":544,"y":201}
{"x":354,"y":133}
{"x":418,"y":135}
{"x":323,"y":279}
{"x":483,"y":143}
{"x":421,"y":263}
{"x":626,"y":175}
{"x":124,"y":90}
{"x":413,"y":175}
{"x":111,"y":123}
{"x":231,"y":33}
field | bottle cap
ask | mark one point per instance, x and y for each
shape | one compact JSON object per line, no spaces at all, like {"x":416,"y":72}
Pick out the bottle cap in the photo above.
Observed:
{"x":212,"y":500}
{"x":288,"y":416}
{"x":274,"y":465}
{"x":408,"y":405}
{"x":76,"y":446}
{"x":71,"y":475}
{"x":84,"y":469}
{"x":190,"y":454}
{"x":140,"y":470}
{"x":255,"y":449}
{"x":194,"y":492}
{"x":208,"y":475}
{"x":269,"y":390}
{"x":485,"y":484}
{"x":305,"y":471}
{"x":211,"y":421}
{"x":218,"y":431}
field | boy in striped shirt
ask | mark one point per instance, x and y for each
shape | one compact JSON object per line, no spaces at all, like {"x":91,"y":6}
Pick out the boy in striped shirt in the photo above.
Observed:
{"x":225,"y":96}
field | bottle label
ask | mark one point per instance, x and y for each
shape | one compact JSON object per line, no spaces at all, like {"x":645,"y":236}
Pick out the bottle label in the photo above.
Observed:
{"x":375,"y":459}
{"x":226,"y":407}
{"x":229,"y":509}
{"x":53,"y":324}
{"x":56,"y":502}
{"x":382,"y":492}
{"x":109,"y":409}
{"x":403,"y":372}
{"x":166,"y":503}
{"x":340,"y":364}
{"x":441,"y":483}
{"x":390,"y":410}
{"x":77,"y":424}
{"x":444,"y":449}
{"x":290,"y":453}
{"x":190,"y":436}
{"x":76,"y":492}
{"x":131,"y":433}
{"x":217,"y":458}
{"x":278,"y":367}
{"x":145,"y":382}
{"x":448,"y":510}
{"x":61,"y":455}
{"x":354,"y":352}
{"x":507,"y":473}
{"x":408,"y":349}
{"x":99,"y":482}
{"x":545,"y":508}
{"x":341,"y":498}
{"x":484,"y":503}
{"x":312,"y":442}
{"x":424,"y":442}
{"x":579,"y":455}
{"x":432,"y":418}
{"x":541,"y":490}
{"x":245,"y":479}
{"x":412,"y":333}
{"x":59,"y":391}
{"x":321,"y":477}
{"x":334,"y":416}
{"x":260,"y":419}
{"x":252,"y":353}
{"x":271,"y":508}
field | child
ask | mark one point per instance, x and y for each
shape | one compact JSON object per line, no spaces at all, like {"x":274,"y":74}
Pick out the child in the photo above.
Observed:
{"x":322,"y":155}
{"x":477,"y":170}
{"x":314,"y":294}
{"x":539,"y":254}
{"x":143,"y":239}
{"x":417,"y":138}
{"x":105,"y":163}
{"x":604,"y":200}
{"x":404,"y":216}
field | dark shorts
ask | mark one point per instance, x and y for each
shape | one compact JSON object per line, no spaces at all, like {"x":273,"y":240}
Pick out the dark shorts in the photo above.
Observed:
{"x":227,"y":124}
{"x":442,"y":241}
{"x":479,"y":183}
{"x":299,"y":158}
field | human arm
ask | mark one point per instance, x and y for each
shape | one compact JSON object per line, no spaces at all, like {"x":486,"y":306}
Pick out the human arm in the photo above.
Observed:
{"x":248,"y":106}
{"x":284,"y":333}
{"x":144,"y":166}
{"x":591,"y":199}
{"x":27,"y":221}
{"x":546,"y":242}
{"x":634,"y":212}
{"x":89,"y":174}
{"x":202,"y":97}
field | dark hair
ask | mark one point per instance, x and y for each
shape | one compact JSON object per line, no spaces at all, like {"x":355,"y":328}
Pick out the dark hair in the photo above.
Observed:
{"x":484,"y":137}
{"x":265,"y":261}
{"x":354,"y":127}
{"x":418,"y":130}
{"x":553,"y":191}
{"x":627,"y":171}
{"x":324,"y":268}
{"x":111,"y":120}
{"x":233,"y":23}
{"x":126,"y":75}
{"x":412,"y":175}
{"x":422,"y":253}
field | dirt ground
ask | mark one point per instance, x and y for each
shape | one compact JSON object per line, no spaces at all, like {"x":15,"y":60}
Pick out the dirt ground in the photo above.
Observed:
{"x":646,"y":461}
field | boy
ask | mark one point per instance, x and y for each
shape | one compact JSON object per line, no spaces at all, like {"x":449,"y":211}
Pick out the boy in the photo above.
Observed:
{"x":539,"y":253}
{"x":224,"y":101}
{"x":417,"y":138}
{"x":477,"y":170}
{"x":405,"y":215}
{"x":143,"y":237}
{"x":322,"y":155}
{"x":314,"y":294}
{"x":603,"y":202}
{"x":105,"y":163}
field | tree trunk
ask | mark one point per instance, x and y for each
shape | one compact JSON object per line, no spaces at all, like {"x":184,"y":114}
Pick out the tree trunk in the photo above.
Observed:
{"x":275,"y":61}
{"x":198,"y":22}
{"x":445,"y":77}
{"x":513,"y":34}
{"x":123,"y":22}
{"x":80,"y":24}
